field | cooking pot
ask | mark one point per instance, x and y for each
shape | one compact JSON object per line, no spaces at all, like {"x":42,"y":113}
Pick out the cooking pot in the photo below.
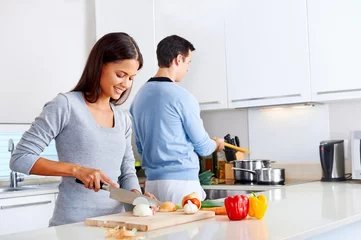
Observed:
{"x":249,"y":165}
{"x":266,"y":175}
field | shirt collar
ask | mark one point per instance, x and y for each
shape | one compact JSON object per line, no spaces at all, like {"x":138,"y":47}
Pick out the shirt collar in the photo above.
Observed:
{"x":160,"y":79}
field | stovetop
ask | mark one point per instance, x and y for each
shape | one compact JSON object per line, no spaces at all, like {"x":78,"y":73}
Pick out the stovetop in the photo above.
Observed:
{"x":242,"y":183}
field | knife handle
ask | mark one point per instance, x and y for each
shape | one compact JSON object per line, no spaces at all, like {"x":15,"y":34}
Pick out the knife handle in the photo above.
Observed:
{"x":102,"y":185}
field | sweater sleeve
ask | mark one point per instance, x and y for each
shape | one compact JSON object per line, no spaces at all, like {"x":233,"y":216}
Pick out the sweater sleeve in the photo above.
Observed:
{"x":193,"y":126}
{"x":46,"y":127}
{"x":137,"y":141}
{"x":128,"y":178}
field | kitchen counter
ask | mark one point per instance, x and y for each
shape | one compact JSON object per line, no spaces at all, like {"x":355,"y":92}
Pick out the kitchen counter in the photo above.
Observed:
{"x":295,"y":212}
{"x":30,"y":190}
{"x":41,"y":187}
{"x":232,"y":185}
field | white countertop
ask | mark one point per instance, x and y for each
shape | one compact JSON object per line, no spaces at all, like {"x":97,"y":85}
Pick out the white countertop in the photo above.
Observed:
{"x":294,"y":212}
{"x":31,"y":190}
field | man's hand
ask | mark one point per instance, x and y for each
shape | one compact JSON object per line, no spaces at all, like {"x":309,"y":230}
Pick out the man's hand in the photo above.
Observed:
{"x":220,"y":144}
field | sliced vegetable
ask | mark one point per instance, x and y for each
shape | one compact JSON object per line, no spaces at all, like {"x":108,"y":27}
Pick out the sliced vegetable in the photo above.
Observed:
{"x":211,"y":204}
{"x":122,"y":233}
{"x":140,"y":200}
{"x":216,"y":210}
{"x":142,"y":210}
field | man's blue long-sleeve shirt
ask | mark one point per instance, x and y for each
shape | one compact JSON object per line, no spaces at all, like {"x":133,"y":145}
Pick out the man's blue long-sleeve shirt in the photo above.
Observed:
{"x":169,"y":131}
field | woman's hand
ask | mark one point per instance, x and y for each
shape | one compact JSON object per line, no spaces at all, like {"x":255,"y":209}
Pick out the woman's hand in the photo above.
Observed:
{"x":92,"y":177}
{"x":147,"y":194}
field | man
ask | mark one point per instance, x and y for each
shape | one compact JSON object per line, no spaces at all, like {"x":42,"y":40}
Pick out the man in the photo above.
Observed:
{"x":168,"y":129}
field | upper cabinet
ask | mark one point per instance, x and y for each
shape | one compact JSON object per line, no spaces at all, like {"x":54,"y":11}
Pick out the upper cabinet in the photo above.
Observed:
{"x":43,"y":48}
{"x":335,"y":48}
{"x":267,"y":52}
{"x":135,"y":18}
{"x":200,"y":22}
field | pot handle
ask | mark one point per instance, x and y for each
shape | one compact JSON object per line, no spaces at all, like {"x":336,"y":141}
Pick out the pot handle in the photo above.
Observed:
{"x":270,"y":162}
{"x":242,"y":169}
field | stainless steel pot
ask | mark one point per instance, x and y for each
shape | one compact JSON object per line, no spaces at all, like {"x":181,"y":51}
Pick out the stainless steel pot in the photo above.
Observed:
{"x":266,"y":175}
{"x":249,"y":165}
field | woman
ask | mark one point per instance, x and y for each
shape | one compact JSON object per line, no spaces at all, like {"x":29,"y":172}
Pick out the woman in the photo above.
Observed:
{"x":92,"y":136}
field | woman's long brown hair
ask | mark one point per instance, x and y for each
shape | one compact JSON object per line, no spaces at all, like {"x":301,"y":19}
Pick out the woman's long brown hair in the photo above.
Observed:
{"x":112,"y":47}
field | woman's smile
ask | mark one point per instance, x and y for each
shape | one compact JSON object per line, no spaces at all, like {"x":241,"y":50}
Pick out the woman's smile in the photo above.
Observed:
{"x":119,"y":90}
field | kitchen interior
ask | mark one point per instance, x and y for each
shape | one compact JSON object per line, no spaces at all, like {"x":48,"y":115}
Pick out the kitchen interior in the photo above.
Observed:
{"x":282,"y":77}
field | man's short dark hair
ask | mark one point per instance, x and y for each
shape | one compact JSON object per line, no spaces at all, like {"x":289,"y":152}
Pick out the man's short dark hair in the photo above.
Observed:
{"x":170,"y":47}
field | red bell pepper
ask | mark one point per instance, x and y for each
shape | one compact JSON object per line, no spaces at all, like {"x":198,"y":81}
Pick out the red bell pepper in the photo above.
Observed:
{"x":237,"y":207}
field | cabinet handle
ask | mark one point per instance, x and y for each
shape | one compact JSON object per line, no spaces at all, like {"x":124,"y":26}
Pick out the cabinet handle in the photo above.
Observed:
{"x":212,"y":102}
{"x":265,"y":98}
{"x":25,"y":205}
{"x":339,"y":91}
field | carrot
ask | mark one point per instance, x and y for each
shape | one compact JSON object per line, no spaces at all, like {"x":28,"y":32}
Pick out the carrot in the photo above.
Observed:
{"x":217,"y":210}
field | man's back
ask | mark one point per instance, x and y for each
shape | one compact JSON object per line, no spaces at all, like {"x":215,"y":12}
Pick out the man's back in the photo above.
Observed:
{"x":169,"y":131}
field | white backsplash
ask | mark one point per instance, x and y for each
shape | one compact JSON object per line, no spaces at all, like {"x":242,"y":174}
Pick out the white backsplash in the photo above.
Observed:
{"x":220,"y":123}
{"x":289,"y":134}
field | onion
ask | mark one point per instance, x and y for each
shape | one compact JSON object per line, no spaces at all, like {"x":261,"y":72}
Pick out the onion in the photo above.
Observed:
{"x":167,"y":207}
{"x":140,"y":200}
{"x":142,"y":210}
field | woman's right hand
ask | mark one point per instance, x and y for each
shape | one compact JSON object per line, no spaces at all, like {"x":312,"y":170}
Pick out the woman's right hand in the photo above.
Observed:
{"x":92,"y":177}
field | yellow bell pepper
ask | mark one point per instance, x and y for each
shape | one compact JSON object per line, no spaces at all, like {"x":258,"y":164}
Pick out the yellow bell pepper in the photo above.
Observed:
{"x":257,"y":206}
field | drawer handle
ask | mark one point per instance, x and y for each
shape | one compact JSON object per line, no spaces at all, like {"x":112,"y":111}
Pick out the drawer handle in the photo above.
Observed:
{"x":265,"y":98}
{"x":212,"y":102}
{"x":25,"y":205}
{"x":339,"y":91}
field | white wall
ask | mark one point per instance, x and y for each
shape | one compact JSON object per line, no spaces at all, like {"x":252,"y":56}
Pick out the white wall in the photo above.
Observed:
{"x":288,"y":135}
{"x":344,"y":118}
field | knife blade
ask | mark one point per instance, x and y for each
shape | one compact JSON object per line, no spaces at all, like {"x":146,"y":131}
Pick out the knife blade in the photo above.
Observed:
{"x":123,"y":195}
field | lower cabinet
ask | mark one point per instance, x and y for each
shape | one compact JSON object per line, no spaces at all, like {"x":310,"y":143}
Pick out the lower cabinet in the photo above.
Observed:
{"x":20,"y":214}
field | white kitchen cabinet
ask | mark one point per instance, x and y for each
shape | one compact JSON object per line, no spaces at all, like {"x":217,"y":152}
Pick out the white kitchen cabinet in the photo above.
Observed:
{"x":137,"y":19}
{"x":335,"y":49}
{"x":25,"y":213}
{"x":43,"y":48}
{"x":267,"y":52}
{"x":202,"y":23}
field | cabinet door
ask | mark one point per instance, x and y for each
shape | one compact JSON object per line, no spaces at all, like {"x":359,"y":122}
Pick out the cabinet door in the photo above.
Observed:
{"x":267,"y":52}
{"x":135,"y":18}
{"x":335,"y":37}
{"x":43,"y":48}
{"x":200,"y":22}
{"x":25,"y":213}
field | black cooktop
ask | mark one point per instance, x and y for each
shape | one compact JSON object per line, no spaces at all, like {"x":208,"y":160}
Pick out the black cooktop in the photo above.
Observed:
{"x":242,"y":183}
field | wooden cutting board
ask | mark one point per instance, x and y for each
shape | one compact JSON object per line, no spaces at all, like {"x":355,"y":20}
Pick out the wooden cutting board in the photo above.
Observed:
{"x":159,"y":220}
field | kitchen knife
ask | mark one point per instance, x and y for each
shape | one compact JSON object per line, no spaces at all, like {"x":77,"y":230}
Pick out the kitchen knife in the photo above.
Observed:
{"x":233,"y":142}
{"x":227,"y":138}
{"x":237,"y":141}
{"x":123,"y":195}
